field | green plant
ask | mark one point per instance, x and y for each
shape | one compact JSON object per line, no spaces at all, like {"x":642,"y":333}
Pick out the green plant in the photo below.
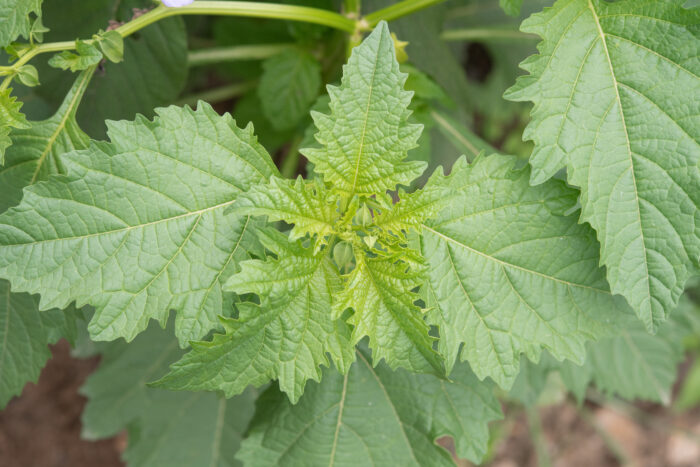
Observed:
{"x":406,"y":300}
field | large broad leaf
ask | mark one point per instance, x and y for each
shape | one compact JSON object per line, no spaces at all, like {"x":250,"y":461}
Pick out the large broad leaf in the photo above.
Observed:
{"x":25,"y":333}
{"x":38,"y":149}
{"x":617,"y":101}
{"x":366,"y":137}
{"x":159,"y":422}
{"x":289,"y":85}
{"x":285,"y":338}
{"x":137,"y":227}
{"x":511,"y":273}
{"x":14,"y":19}
{"x":373,"y":416}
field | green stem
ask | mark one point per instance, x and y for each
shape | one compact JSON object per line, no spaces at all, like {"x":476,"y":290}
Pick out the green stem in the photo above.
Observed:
{"x":233,"y":53}
{"x":535,"y":425}
{"x":485,"y":34}
{"x":398,"y":10}
{"x":220,"y":94}
{"x":6,"y":83}
{"x":244,"y":9}
{"x":291,"y":159}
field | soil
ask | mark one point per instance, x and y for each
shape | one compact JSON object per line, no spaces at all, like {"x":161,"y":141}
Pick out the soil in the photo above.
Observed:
{"x":42,"y":429}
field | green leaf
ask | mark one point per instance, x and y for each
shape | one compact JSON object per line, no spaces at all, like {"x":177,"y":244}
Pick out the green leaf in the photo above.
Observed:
{"x":510,"y":273}
{"x":87,"y":56}
{"x":28,"y":75}
{"x":39,"y":147}
{"x":632,"y":363}
{"x":25,"y":333}
{"x":10,"y":117}
{"x":111,"y":44}
{"x":608,"y":106}
{"x":380,"y":292}
{"x":14,"y":18}
{"x":286,"y":337}
{"x":289,"y":85}
{"x":308,"y":205}
{"x":366,"y":137}
{"x":373,"y":416}
{"x":159,"y":421}
{"x":137,"y":227}
{"x":511,"y":7}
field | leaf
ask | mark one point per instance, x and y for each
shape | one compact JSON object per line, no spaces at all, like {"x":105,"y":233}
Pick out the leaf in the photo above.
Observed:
{"x":380,"y":293}
{"x":511,"y":7}
{"x":25,"y":333}
{"x":373,"y":416}
{"x":14,"y":17}
{"x":632,"y":363}
{"x":87,"y":56}
{"x":289,"y":85}
{"x":286,"y":337}
{"x":40,"y":146}
{"x":366,"y":137}
{"x":308,"y":205}
{"x":10,"y":117}
{"x":137,"y":227}
{"x":607,"y":106}
{"x":111,"y":44}
{"x":159,"y":421}
{"x":510,"y":273}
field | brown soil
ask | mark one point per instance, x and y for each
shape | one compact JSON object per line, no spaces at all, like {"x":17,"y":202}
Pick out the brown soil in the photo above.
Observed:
{"x":42,"y":429}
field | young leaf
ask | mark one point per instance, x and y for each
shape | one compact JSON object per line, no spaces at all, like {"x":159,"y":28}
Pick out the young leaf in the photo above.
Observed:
{"x":288,"y":86}
{"x":285,"y":338}
{"x":380,"y":293}
{"x":308,"y":205}
{"x":40,"y":146}
{"x":111,"y":44}
{"x":117,"y":233}
{"x":373,"y":416}
{"x":158,"y":421}
{"x":366,"y":137}
{"x":14,"y":18}
{"x":25,"y":333}
{"x":607,"y":106}
{"x":87,"y":56}
{"x":10,"y":117}
{"x":510,"y":273}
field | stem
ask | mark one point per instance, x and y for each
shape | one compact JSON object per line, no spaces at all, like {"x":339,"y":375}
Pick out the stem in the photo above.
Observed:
{"x":233,"y":53}
{"x":535,"y":425}
{"x":485,"y":34}
{"x":398,"y":10}
{"x":291,"y":160}
{"x":223,"y":93}
{"x":245,"y":9}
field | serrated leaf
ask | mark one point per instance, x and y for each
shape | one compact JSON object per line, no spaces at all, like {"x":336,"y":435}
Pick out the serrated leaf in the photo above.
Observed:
{"x":510,"y":273}
{"x":159,"y":421}
{"x":289,"y":85}
{"x":373,"y":416}
{"x":366,"y":137}
{"x":308,"y":205}
{"x":607,"y":106}
{"x":14,"y":18}
{"x":87,"y":55}
{"x":117,"y":233}
{"x":380,"y":293}
{"x":286,"y":337}
{"x":10,"y":117}
{"x":25,"y":333}
{"x":632,"y":363}
{"x":40,"y":146}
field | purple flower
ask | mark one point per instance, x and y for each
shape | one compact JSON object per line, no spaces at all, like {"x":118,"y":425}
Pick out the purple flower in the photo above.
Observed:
{"x":176,"y":3}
